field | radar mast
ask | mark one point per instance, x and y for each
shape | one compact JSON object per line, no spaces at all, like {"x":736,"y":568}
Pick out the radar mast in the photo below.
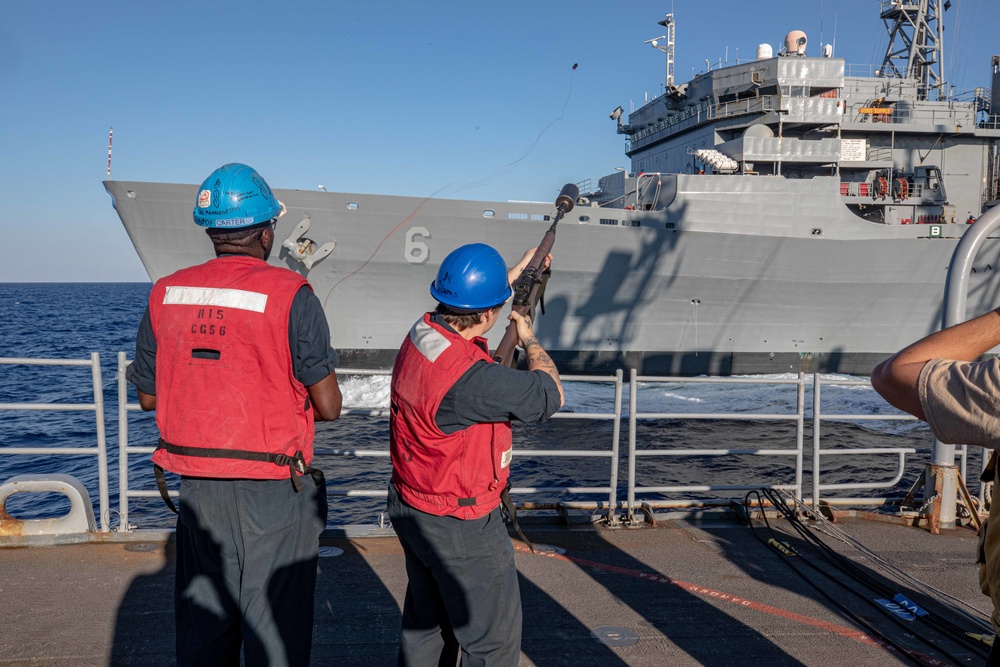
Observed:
{"x":665,"y":43}
{"x":916,"y":33}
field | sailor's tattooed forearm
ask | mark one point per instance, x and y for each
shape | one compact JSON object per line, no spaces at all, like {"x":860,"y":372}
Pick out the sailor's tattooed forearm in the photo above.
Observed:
{"x":536,"y":353}
{"x":539,"y":360}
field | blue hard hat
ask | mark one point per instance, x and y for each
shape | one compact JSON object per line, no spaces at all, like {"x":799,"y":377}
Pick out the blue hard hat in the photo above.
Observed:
{"x":234,"y":196}
{"x":472,"y":277}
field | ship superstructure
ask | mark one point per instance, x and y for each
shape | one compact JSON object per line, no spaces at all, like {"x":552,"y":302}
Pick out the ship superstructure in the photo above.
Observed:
{"x":790,"y":212}
{"x":895,"y":137}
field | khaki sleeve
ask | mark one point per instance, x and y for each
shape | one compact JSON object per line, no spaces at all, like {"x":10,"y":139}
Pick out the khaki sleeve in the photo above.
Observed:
{"x":961,"y":401}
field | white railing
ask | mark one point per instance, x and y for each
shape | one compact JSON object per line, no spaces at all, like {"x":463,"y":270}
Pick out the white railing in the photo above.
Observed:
{"x":124,"y":449}
{"x":789,"y":476}
{"x":635,"y":414}
{"x":97,"y":407}
{"x":818,"y":452}
{"x":796,"y":415}
{"x":612,"y":453}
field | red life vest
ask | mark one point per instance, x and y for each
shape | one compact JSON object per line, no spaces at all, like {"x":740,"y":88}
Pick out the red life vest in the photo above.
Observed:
{"x":460,"y":474}
{"x":224,"y":375}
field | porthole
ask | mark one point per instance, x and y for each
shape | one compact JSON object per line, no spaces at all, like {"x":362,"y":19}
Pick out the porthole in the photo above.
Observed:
{"x":489,"y":213}
{"x":584,"y":218}
{"x":353,"y":206}
{"x":817,"y":231}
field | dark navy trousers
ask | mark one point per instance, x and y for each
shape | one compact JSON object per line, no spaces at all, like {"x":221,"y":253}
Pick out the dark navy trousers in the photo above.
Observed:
{"x":247,"y":553}
{"x":462,"y":593}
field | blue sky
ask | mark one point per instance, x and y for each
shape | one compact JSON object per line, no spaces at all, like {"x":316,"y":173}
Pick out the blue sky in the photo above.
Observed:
{"x":472,"y":100}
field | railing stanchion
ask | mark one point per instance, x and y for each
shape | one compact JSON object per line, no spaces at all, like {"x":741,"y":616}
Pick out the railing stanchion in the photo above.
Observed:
{"x":122,"y":444}
{"x":102,"y":443}
{"x":800,"y":400}
{"x":633,"y":395}
{"x":816,"y":440}
{"x":615,"y":451}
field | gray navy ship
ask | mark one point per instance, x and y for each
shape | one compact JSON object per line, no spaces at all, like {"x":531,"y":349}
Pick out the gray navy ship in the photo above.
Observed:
{"x":783,"y":214}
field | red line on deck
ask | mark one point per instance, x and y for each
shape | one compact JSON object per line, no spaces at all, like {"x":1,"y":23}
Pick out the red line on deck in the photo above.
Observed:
{"x":833,"y":628}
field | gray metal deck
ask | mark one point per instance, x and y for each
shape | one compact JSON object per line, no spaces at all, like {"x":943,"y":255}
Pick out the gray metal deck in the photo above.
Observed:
{"x":694,"y":592}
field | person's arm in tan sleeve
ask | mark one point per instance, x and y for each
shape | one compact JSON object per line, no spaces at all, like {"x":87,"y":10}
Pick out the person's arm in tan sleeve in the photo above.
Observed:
{"x":896,"y":379}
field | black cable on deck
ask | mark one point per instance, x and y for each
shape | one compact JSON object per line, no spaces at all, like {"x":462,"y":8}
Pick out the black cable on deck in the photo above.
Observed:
{"x":941,"y":625}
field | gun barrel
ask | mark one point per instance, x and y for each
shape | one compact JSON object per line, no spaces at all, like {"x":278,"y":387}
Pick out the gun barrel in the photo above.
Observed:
{"x":564,"y":204}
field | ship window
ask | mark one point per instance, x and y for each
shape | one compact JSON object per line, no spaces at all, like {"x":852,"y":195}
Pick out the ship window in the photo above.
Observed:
{"x":489,"y":213}
{"x":584,"y":218}
{"x":670,"y":225}
{"x":795,"y":91}
{"x":608,"y":221}
{"x":517,"y":216}
{"x":353,"y":206}
{"x":538,"y":216}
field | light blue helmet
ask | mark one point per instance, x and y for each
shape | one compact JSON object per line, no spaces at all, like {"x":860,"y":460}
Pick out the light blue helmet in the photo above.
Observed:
{"x":234,"y":196}
{"x":473,"y":278}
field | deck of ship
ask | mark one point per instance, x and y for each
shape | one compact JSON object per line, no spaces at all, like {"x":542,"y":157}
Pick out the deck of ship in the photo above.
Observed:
{"x":689,"y":592}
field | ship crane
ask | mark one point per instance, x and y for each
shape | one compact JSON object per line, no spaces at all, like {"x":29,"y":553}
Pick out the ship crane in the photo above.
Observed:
{"x":916,"y":44}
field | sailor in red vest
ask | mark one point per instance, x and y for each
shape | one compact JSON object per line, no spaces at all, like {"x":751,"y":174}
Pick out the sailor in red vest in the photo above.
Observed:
{"x":450,"y":441}
{"x":234,"y":355}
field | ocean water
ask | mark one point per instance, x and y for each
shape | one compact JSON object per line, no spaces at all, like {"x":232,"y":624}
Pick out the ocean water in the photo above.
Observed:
{"x":72,"y":320}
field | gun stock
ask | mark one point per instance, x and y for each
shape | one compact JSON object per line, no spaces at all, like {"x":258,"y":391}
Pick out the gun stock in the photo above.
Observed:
{"x":529,"y":286}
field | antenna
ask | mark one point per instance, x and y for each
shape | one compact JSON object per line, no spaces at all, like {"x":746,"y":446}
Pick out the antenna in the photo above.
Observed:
{"x":916,"y":44}
{"x":821,"y":24}
{"x":665,"y":43}
{"x":834,"y":51}
{"x":110,"y":134}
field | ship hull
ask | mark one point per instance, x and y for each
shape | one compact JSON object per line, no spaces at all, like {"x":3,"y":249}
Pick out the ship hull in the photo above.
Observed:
{"x":720,"y":279}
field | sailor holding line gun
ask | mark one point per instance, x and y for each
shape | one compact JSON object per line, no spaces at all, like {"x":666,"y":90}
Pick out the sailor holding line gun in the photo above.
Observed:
{"x":451,"y":407}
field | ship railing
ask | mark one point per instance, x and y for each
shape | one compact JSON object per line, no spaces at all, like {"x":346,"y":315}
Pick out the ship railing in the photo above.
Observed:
{"x":866,"y":70}
{"x":631,"y":504}
{"x":948,"y":94}
{"x":96,"y":406}
{"x":818,"y":452}
{"x":819,"y":417}
{"x":741,"y":107}
{"x":880,"y":154}
{"x":634,"y":452}
{"x":612,"y":453}
{"x":693,"y":116}
{"x":794,"y":485}
{"x":865,"y":189}
{"x":919,"y":115}
{"x":125,"y":450}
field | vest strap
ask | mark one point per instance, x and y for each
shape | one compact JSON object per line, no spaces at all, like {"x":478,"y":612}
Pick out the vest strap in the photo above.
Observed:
{"x":511,"y":511}
{"x":161,"y":484}
{"x":296,"y":464}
